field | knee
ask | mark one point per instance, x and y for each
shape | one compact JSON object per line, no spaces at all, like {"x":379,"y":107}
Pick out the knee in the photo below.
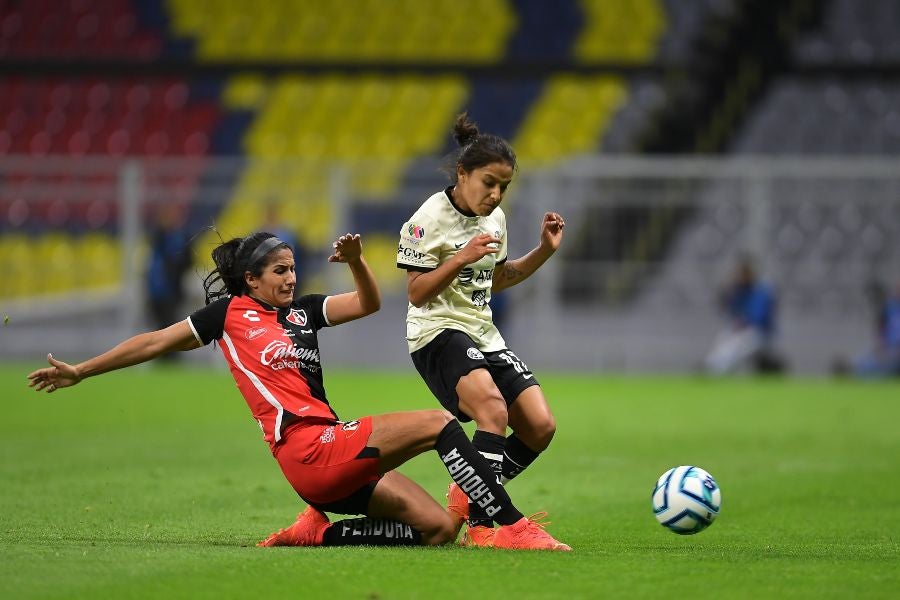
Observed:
{"x":541,"y":433}
{"x":489,"y":412}
{"x":440,"y":418}
{"x":441,"y":534}
{"x":434,"y":422}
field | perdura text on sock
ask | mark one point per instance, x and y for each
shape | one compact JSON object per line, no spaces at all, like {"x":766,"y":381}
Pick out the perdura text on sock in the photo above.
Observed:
{"x":473,"y":485}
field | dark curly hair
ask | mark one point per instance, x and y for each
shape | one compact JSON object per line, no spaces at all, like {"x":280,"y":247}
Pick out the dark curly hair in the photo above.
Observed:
{"x":478,"y":149}
{"x":233,"y":259}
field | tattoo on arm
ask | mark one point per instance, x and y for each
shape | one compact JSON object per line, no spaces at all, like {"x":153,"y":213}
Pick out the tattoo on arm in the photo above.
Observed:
{"x":511,"y":273}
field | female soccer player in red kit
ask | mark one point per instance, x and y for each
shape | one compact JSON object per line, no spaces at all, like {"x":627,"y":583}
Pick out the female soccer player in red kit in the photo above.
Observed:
{"x":269,"y":340}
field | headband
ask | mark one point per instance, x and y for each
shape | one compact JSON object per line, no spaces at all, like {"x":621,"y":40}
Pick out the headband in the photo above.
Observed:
{"x":264,"y":248}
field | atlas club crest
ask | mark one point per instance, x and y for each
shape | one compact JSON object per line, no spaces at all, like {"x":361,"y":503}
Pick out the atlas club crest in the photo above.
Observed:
{"x":297,"y":317}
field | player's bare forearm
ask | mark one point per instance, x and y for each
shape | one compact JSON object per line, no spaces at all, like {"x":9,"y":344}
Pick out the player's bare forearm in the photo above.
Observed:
{"x":513,"y":272}
{"x":422,"y":287}
{"x":516,"y":271}
{"x":363,"y":301}
{"x":367,"y":290}
{"x":139,"y":349}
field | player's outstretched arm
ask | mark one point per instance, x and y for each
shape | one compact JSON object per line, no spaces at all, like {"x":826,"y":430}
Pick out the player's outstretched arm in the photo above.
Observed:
{"x":516,"y":271}
{"x":422,"y":287}
{"x":367,"y":297}
{"x":135,"y":350}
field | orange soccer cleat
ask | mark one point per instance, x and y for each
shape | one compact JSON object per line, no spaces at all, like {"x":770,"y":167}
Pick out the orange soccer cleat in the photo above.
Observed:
{"x":527,"y":534}
{"x":457,"y":502}
{"x":308,"y":530}
{"x":479,"y":536}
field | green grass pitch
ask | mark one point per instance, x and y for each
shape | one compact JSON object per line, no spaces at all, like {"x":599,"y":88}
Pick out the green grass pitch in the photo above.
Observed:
{"x":155,"y":483}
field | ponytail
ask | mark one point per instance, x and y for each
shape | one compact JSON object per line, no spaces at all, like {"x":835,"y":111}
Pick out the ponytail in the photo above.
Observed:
{"x":478,"y":149}
{"x":233,"y":259}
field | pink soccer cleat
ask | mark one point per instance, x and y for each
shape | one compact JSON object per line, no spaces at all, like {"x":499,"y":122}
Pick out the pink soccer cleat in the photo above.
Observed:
{"x":527,"y":534}
{"x":308,"y":530}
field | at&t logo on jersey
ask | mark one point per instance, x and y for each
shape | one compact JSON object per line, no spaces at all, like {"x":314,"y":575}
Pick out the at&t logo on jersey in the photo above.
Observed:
{"x":297,"y":317}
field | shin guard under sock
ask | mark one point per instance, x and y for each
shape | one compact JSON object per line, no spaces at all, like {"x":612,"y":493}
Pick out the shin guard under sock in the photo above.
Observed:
{"x":490,"y":446}
{"x":516,"y":458}
{"x":472,"y":473}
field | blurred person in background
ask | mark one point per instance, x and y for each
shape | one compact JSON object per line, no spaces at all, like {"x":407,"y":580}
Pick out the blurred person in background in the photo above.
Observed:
{"x":747,"y":342}
{"x":883,"y":360}
{"x":270,"y":341}
{"x":454,"y":250}
{"x":169,"y":260}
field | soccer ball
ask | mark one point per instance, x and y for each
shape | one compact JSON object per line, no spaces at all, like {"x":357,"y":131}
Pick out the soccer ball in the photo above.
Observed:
{"x":686,"y":500}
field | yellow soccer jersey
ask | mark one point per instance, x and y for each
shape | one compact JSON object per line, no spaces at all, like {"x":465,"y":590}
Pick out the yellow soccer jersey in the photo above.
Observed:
{"x":436,"y":232}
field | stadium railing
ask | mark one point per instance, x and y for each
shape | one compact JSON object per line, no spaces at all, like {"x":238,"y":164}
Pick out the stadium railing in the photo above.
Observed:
{"x":822,"y":231}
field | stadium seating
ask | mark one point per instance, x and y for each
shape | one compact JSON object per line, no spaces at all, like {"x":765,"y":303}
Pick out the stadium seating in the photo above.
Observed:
{"x":289,"y":126}
{"x":356,"y":31}
{"x":624,"y":31}
{"x":87,"y":29}
{"x":549,"y":133}
{"x":316,"y":120}
{"x":74,"y":116}
{"x":853,"y":33}
{"x":89,"y":117}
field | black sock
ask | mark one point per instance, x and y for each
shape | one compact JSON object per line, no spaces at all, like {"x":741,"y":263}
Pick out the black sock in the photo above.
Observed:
{"x":516,"y":458}
{"x":473,"y":474}
{"x":371,"y":532}
{"x":490,"y":446}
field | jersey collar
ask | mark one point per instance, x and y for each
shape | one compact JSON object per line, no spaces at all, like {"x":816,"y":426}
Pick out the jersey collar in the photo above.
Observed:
{"x":449,"y":193}
{"x":262,"y":303}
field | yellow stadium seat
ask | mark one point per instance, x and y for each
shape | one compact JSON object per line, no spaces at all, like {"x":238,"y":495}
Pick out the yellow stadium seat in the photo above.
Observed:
{"x":350,"y":30}
{"x":100,"y":260}
{"x":568,"y":118}
{"x":625,"y":31}
{"x":54,"y":252}
{"x":381,"y":255}
{"x":244,"y":92}
{"x":18,"y":265}
{"x":322,"y":121}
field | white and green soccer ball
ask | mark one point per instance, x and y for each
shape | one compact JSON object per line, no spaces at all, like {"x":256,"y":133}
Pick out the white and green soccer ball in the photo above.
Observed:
{"x":686,"y":500}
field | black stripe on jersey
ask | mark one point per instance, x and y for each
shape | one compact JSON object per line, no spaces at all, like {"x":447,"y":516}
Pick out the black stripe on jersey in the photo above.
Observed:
{"x":417,"y":269}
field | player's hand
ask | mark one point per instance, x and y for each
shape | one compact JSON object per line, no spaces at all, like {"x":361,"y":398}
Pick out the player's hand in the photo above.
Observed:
{"x":479,"y":247}
{"x":552,"y":230}
{"x":57,"y":376}
{"x":347,"y":248}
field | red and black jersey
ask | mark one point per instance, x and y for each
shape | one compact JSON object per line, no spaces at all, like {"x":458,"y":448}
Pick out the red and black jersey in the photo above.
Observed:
{"x":273,"y":354}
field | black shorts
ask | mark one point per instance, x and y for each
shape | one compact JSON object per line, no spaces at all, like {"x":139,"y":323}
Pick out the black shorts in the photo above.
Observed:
{"x":453,"y":354}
